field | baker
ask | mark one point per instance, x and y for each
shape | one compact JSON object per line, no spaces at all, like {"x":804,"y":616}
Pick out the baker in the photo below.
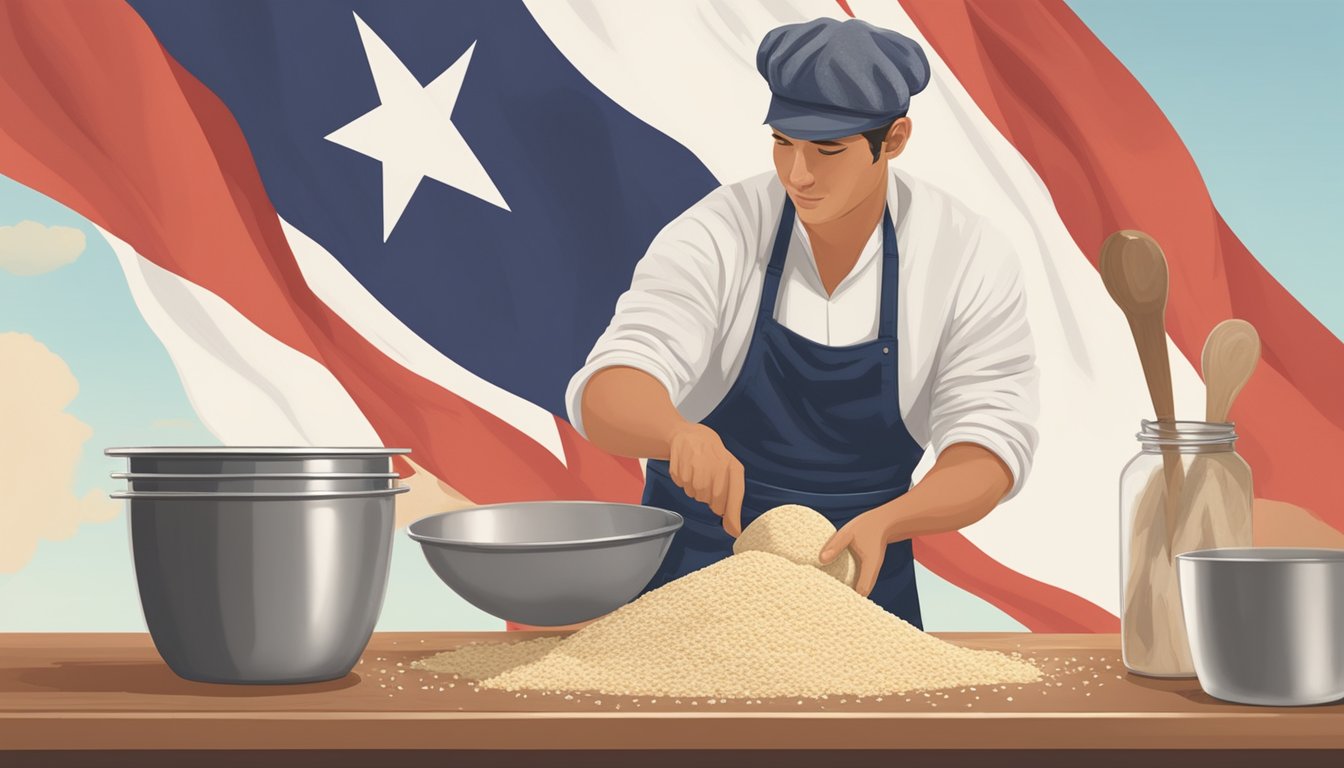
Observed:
{"x":804,"y":336}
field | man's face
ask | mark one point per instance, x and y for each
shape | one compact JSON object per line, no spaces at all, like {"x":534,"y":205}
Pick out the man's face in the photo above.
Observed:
{"x":827,"y":179}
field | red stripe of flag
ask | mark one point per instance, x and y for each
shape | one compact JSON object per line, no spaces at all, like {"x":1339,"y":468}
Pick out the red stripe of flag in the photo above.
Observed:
{"x":94,"y":113}
{"x":1112,"y":161}
{"x":1038,"y":606}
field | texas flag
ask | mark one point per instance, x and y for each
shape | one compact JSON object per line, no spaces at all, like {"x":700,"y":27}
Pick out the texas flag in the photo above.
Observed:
{"x":406,"y":223}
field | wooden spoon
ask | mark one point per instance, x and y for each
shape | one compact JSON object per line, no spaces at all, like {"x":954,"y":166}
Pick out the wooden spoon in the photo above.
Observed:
{"x":1230,"y":355}
{"x":1135,"y":273}
{"x":1215,"y":510}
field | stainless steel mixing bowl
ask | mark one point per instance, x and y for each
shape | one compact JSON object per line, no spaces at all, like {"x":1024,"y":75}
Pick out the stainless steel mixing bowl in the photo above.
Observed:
{"x":1266,"y":624}
{"x":201,"y":460}
{"x":252,"y":483}
{"x":547,"y":563}
{"x":261,"y":588}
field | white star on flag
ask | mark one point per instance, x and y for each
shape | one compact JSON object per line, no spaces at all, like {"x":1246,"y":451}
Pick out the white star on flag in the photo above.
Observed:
{"x":412,"y":133}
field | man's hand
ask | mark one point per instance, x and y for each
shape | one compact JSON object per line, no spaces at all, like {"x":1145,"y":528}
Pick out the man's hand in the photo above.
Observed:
{"x":964,"y":484}
{"x":867,"y":537}
{"x":709,"y":473}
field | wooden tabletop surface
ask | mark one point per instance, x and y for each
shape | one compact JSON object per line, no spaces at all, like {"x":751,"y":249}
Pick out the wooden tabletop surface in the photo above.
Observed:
{"x":112,"y":692}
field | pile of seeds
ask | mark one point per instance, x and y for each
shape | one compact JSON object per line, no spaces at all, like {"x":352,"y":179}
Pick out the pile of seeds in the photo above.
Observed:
{"x":797,"y":533}
{"x":753,"y":625}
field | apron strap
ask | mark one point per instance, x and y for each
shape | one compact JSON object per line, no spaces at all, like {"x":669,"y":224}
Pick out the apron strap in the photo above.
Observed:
{"x":891,"y":278}
{"x":773,"y":271}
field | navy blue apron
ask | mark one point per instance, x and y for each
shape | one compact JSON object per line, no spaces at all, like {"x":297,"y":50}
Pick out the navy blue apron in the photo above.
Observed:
{"x":812,"y":424}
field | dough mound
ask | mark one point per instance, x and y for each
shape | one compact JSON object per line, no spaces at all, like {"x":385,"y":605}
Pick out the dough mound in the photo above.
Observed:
{"x":796,"y":533}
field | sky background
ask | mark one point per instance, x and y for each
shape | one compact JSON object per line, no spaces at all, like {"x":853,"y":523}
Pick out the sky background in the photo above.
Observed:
{"x":1252,"y":87}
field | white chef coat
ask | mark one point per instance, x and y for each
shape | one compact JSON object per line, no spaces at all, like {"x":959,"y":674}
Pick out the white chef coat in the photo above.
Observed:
{"x":966,"y":363}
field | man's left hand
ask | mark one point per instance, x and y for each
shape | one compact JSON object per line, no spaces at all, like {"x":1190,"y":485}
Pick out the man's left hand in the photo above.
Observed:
{"x":964,"y":484}
{"x":867,"y":537}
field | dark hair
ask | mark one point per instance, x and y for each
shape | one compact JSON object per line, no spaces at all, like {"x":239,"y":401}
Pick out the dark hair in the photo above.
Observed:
{"x":876,"y":135}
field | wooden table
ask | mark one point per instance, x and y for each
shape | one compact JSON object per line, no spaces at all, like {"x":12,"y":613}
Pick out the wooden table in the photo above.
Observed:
{"x":107,"y":699}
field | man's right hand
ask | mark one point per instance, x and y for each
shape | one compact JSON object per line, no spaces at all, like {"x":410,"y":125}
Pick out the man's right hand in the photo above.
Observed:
{"x":707,"y":472}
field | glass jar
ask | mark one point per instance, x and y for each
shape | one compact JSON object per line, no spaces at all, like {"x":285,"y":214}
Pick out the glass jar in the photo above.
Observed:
{"x":1186,"y":489}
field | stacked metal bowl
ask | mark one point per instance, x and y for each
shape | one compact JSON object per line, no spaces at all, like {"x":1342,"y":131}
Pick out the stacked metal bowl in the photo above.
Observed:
{"x":260,"y":565}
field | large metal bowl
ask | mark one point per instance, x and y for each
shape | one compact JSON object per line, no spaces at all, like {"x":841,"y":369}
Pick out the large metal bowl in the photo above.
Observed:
{"x":200,"y":460}
{"x":547,"y":563}
{"x":261,"y":588}
{"x":263,"y":483}
{"x":1266,"y":624}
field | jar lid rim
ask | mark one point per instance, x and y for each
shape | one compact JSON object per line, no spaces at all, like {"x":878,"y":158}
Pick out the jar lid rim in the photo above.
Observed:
{"x":1186,"y":432}
{"x":1188,"y":423}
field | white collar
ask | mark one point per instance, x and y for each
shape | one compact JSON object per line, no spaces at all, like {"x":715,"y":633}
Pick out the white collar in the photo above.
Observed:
{"x":870,"y":251}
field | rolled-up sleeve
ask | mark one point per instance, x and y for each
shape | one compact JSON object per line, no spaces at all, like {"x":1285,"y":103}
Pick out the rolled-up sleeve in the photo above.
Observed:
{"x":667,"y":322}
{"x":986,"y":385}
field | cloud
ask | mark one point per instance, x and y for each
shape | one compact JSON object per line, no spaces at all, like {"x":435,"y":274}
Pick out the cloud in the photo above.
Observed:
{"x":30,"y":248}
{"x":39,"y":451}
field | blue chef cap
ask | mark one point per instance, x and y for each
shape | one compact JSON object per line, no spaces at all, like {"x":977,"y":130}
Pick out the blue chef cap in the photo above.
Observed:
{"x":834,"y":78}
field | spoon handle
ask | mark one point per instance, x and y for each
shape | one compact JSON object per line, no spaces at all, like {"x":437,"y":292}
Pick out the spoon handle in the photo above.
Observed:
{"x":1150,"y":337}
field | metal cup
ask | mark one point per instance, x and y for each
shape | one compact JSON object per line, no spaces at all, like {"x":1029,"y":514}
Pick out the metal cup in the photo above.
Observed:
{"x":261,"y":587}
{"x":256,"y":483}
{"x":1266,"y":624}
{"x":197,"y":460}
